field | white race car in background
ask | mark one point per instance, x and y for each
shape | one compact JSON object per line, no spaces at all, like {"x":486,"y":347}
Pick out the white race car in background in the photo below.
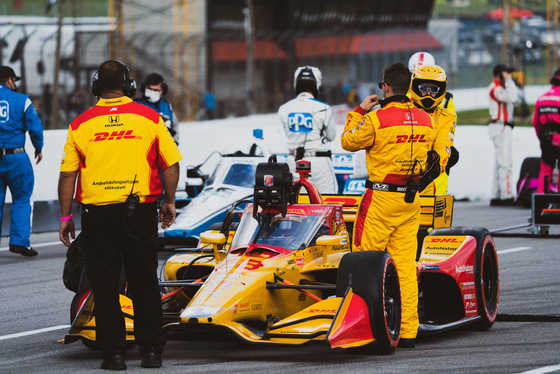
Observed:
{"x":212,"y":195}
{"x":232,"y":180}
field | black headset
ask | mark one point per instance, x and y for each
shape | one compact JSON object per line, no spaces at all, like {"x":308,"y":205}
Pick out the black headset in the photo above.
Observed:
{"x":128,"y":85}
{"x":154,"y":77}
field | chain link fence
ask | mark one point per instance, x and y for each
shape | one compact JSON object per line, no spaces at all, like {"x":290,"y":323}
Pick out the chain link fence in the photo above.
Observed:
{"x":173,"y":40}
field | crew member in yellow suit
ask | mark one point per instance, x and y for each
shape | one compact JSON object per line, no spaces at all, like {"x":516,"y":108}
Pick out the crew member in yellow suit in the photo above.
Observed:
{"x":420,"y":59}
{"x":428,"y":88}
{"x":396,"y":139}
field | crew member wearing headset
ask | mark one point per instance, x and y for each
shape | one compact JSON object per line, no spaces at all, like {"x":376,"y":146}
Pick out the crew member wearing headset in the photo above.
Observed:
{"x":396,"y":138}
{"x":17,"y":116}
{"x":122,"y":156}
{"x":153,"y":89}
{"x":309,"y":127}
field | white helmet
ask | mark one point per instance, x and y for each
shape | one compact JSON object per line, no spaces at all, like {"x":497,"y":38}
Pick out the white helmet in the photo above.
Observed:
{"x":307,"y":78}
{"x":420,"y":59}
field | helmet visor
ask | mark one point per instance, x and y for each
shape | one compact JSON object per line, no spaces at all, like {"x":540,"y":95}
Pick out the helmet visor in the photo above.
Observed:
{"x":428,"y":89}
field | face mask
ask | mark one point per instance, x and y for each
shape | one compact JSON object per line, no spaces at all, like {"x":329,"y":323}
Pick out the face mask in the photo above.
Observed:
{"x":152,"y":96}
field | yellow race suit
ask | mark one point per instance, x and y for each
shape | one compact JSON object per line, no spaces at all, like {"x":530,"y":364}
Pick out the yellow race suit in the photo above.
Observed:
{"x":396,"y":138}
{"x":126,"y":144}
{"x":444,"y":123}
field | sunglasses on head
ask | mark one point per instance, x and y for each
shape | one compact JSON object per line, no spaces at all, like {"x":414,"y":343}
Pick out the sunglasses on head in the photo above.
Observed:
{"x":424,"y":88}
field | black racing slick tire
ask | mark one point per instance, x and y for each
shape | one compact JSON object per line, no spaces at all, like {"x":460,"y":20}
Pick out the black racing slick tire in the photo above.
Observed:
{"x":486,"y":273}
{"x":372,"y":275}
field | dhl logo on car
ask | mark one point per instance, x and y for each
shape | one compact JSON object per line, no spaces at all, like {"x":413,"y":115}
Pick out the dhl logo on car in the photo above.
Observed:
{"x":296,"y":211}
{"x":442,"y":240}
{"x":115,"y":135}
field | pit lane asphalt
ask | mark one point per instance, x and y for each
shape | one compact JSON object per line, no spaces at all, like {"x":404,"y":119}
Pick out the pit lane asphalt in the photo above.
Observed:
{"x":525,"y":337}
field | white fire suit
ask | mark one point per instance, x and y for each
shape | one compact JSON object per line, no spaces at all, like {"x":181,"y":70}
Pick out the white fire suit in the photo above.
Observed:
{"x":503,"y":98}
{"x":309,"y":123}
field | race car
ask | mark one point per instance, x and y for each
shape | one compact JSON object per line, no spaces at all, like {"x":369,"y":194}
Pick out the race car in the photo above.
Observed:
{"x":287,"y":275}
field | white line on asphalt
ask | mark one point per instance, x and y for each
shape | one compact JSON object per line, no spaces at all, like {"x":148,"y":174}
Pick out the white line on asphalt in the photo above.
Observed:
{"x":543,"y":370}
{"x":518,"y":249}
{"x":38,"y":245}
{"x":32,"y":332}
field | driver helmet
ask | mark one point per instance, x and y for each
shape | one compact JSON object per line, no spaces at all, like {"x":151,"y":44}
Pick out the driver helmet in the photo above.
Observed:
{"x":307,"y":79}
{"x":428,"y":87}
{"x":420,"y":59}
{"x":286,"y":226}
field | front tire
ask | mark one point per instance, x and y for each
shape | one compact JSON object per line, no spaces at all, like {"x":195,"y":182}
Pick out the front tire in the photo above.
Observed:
{"x":373,"y":276}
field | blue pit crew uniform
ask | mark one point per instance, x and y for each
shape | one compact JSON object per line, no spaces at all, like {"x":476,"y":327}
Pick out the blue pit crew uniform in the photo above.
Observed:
{"x":165,"y":110}
{"x":17,"y":115}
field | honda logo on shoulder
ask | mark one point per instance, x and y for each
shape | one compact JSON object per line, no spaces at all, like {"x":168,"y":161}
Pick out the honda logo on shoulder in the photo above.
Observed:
{"x":114,"y":119}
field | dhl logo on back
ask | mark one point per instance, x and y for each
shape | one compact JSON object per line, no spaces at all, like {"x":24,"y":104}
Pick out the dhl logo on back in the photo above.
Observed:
{"x":115,"y":135}
{"x":418,"y":138}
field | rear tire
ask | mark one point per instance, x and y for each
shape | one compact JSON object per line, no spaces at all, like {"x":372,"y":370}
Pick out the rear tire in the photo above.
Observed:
{"x":373,"y":276}
{"x":486,"y":273}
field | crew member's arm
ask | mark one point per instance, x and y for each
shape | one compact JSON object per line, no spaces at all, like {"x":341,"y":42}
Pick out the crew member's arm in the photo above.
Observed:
{"x":510,"y":94}
{"x":330,"y":126}
{"x":35,"y":129}
{"x":359,"y":131}
{"x":170,"y":180}
{"x":445,"y":137}
{"x":536,"y":120}
{"x":66,"y":183}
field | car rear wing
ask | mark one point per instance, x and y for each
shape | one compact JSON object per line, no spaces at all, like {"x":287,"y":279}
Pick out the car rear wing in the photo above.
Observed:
{"x":435,"y":211}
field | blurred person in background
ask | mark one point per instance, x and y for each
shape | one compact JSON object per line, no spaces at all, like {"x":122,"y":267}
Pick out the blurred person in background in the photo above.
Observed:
{"x":153,"y":90}
{"x":17,"y":116}
{"x":309,"y":127}
{"x":503,"y":97}
{"x":209,"y":100}
{"x":547,"y":125}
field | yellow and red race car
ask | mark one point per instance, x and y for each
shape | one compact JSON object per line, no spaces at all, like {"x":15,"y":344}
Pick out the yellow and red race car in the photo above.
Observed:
{"x":287,"y":275}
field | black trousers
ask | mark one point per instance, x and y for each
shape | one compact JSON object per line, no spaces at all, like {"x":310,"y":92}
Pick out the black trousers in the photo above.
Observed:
{"x":112,"y":242}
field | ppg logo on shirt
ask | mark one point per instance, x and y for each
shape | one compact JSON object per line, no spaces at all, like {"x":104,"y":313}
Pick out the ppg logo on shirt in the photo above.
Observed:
{"x":300,"y":122}
{"x":4,"y":111}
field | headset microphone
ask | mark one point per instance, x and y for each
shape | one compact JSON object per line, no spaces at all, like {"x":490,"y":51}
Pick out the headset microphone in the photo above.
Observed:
{"x":411,"y":184}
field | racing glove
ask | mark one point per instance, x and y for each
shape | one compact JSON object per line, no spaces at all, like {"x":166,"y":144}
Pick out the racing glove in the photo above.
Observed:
{"x":432,"y":171}
{"x":453,"y":159}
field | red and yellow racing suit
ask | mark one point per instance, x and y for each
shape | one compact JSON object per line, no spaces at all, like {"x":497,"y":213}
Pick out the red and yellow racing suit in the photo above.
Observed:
{"x":444,"y":124}
{"x":395,"y":138}
{"x":118,"y":129}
